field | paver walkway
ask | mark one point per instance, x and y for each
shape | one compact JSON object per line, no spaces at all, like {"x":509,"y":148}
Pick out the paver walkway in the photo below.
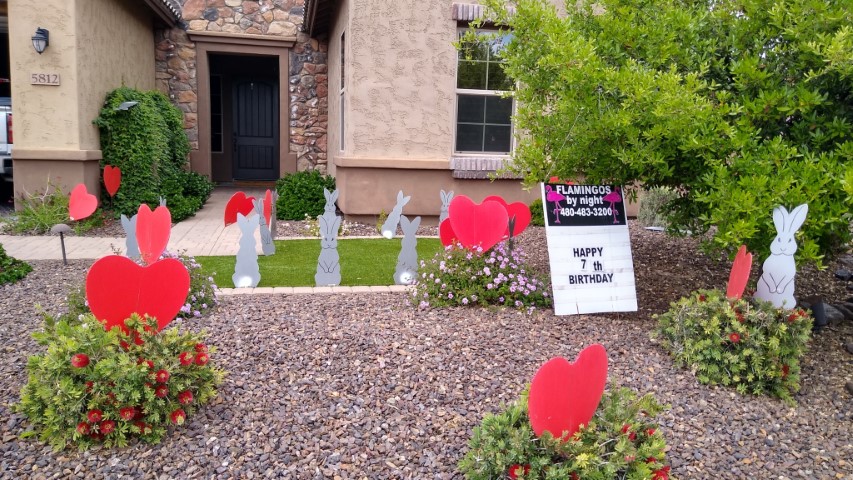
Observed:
{"x":203,"y":234}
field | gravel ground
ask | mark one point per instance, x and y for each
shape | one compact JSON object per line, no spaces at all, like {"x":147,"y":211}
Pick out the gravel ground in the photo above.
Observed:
{"x":362,"y":386}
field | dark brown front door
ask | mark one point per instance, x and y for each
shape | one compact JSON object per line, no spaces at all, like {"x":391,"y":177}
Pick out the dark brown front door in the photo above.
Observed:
{"x":255,"y":140}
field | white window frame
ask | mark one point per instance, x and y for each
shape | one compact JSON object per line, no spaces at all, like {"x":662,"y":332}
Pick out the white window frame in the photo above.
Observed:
{"x":484,"y":93}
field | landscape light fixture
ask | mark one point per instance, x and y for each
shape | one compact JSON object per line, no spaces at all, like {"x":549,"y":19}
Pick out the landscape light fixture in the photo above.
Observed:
{"x":41,"y":40}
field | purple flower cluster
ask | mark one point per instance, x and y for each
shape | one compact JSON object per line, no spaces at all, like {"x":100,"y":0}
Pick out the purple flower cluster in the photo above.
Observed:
{"x":498,"y":276}
{"x":202,"y":296}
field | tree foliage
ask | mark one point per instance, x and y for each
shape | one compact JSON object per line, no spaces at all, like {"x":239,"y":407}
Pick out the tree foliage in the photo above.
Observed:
{"x":739,"y":105}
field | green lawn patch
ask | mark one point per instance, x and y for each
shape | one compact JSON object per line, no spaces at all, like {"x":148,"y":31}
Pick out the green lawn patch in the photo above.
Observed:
{"x":364,"y":261}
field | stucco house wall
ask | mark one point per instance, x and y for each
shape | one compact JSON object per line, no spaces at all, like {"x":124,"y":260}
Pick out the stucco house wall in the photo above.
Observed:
{"x":95,"y":46}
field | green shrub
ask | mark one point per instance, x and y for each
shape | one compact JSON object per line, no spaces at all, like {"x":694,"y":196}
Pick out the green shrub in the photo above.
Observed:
{"x":747,"y":343}
{"x":12,"y":269}
{"x":93,"y":386}
{"x":301,"y":194}
{"x":621,"y":441}
{"x":653,"y":212}
{"x":457,"y":276}
{"x":41,"y":211}
{"x":537,"y":213}
{"x":147,"y":141}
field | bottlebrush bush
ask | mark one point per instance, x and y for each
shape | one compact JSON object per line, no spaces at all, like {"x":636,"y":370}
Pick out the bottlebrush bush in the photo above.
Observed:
{"x":97,"y":387}
{"x":621,"y":441}
{"x":457,"y":276}
{"x":745,"y":343}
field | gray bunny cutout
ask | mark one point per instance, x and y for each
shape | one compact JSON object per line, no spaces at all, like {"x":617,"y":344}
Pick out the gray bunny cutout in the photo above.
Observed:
{"x":407,"y":262}
{"x":389,"y":228}
{"x":446,"y":197}
{"x":246,"y":270}
{"x":131,"y":245}
{"x":328,"y":264}
{"x":267,"y":244}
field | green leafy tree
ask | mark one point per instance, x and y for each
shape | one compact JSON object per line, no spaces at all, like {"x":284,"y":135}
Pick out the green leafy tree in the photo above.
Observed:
{"x":739,"y":105}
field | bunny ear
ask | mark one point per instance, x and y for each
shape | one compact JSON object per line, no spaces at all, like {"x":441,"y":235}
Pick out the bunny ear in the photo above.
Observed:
{"x":780,"y":215}
{"x":406,"y":200}
{"x":797,"y":217}
{"x":125,"y":222}
{"x":399,"y":196}
{"x":326,"y":193}
{"x":443,"y":196}
{"x":449,"y":195}
{"x":336,"y":225}
{"x":334,"y":197}
{"x":415,"y":224}
{"x":404,"y":222}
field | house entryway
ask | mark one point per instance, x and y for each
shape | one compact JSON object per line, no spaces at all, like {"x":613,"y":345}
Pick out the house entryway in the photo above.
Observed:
{"x":244,"y":117}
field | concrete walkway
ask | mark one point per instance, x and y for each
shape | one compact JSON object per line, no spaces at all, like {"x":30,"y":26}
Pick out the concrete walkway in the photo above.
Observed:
{"x":201,"y":235}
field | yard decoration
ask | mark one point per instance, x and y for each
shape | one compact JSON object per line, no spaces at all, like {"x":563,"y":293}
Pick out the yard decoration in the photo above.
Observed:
{"x":267,"y":243}
{"x":446,"y":234}
{"x":389,"y":228}
{"x":328,"y":263}
{"x":131,"y":245}
{"x":564,"y":396}
{"x":776,"y":284}
{"x":406,"y":272}
{"x":739,"y":275}
{"x":446,"y":197}
{"x":267,"y":207}
{"x":246,"y":270}
{"x":117,"y":287}
{"x":238,"y":203}
{"x":112,"y":179}
{"x":518,"y":213}
{"x":81,"y":203}
{"x":152,"y":232}
{"x":477,"y":225}
{"x":61,"y":229}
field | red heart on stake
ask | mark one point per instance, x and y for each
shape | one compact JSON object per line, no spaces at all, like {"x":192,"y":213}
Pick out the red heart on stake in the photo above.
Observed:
{"x":116,"y":287}
{"x":563,"y":396}
{"x":519,"y":210}
{"x":152,"y":232}
{"x":267,"y":206}
{"x":238,"y":203}
{"x":81,"y":203}
{"x":446,"y":234}
{"x":474,"y":224}
{"x":740,"y":273}
{"x":112,"y":179}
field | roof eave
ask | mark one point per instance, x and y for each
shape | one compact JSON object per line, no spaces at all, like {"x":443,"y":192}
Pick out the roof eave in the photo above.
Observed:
{"x":165,"y":13}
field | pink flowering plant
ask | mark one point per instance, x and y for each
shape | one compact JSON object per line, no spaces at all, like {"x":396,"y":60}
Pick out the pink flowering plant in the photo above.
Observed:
{"x":457,"y":276}
{"x":202,"y":297}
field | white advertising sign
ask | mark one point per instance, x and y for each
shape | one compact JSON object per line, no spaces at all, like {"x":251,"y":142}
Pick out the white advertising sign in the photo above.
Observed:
{"x":589,"y":249}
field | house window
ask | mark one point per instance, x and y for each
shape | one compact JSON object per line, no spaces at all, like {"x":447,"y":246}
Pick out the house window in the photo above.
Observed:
{"x":216,"y":114}
{"x":343,"y":85}
{"x":483,"y":116}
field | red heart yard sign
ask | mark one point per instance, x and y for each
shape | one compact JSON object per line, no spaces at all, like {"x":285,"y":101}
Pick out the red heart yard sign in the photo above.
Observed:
{"x":446,"y":234}
{"x":112,"y":179}
{"x":519,"y":210}
{"x":477,"y":224}
{"x":116,"y":287}
{"x":563,"y":396}
{"x":740,"y":273}
{"x":238,"y":203}
{"x":81,"y":203}
{"x":152,"y":232}
{"x":267,"y":206}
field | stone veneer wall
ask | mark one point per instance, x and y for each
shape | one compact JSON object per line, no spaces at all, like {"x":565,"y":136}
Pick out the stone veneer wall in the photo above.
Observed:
{"x":308,"y":82}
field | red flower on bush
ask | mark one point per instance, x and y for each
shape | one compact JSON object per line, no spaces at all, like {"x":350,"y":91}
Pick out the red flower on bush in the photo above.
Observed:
{"x":162,"y":391}
{"x":89,"y":385}
{"x":740,"y":317}
{"x":734,"y":337}
{"x":94,"y":416}
{"x":80,"y":360}
{"x":107,"y":427}
{"x":127,"y":413}
{"x":162,"y":376}
{"x":124,"y":345}
{"x":651,"y":431}
{"x":661,"y":474}
{"x":185,"y":397}
{"x":200,"y":347}
{"x":186,"y":359}
{"x":178,"y":416}
{"x":702,"y":298}
{"x":202,"y":358}
{"x":82,"y":428}
{"x":143,"y":427}
{"x":516,"y":469}
{"x":140,"y":361}
{"x":625,"y":428}
{"x":785,"y":370}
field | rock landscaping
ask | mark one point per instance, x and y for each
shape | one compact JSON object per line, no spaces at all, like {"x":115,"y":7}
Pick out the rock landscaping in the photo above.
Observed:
{"x":356,"y":386}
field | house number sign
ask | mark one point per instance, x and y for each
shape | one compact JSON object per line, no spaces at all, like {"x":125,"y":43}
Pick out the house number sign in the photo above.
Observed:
{"x":44,"y":79}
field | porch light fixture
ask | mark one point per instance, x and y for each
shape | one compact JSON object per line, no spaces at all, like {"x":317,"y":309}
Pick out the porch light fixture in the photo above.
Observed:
{"x":41,"y":40}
